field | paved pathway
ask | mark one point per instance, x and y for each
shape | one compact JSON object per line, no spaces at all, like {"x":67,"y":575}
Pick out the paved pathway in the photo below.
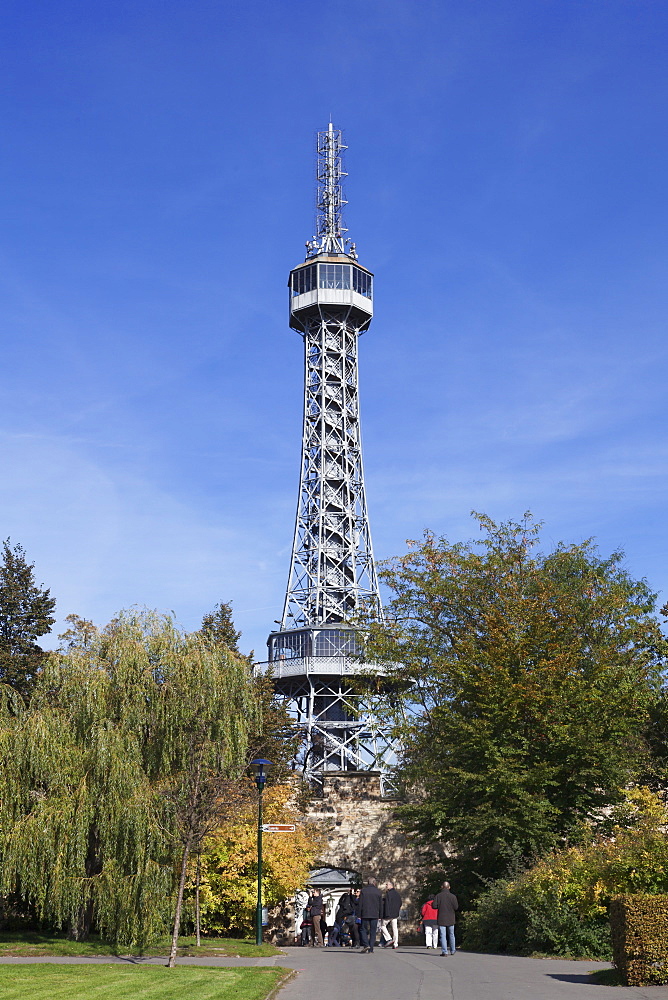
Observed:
{"x":413,"y":973}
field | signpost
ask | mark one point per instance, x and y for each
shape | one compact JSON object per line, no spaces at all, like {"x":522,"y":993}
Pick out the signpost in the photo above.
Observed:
{"x":278,"y":827}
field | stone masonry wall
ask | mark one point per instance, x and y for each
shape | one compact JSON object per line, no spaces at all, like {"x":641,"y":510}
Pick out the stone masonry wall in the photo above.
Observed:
{"x":364,"y":834}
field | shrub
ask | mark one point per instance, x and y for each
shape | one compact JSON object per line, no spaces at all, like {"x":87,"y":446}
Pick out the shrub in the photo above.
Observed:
{"x":524,"y":917}
{"x":560,"y":905}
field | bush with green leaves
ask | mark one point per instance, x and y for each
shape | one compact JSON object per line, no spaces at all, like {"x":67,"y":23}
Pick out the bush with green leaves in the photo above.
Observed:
{"x":560,"y":905}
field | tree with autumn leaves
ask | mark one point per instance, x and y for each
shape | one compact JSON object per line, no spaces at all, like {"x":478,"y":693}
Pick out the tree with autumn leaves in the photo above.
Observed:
{"x":228,"y":869}
{"x":520,"y":685}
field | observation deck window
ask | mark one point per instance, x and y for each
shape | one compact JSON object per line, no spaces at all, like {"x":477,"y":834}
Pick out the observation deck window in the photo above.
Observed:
{"x":304,"y":280}
{"x":362,"y":282}
{"x":292,"y":646}
{"x":336,"y":642}
{"x":313,"y":642}
{"x":334,"y":275}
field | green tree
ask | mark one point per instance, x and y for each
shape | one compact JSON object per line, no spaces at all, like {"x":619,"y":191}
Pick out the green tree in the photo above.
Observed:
{"x":114,"y":770}
{"x":521,"y":689}
{"x":219,"y":627}
{"x":26,"y":612}
{"x":278,"y":738}
{"x":657,"y":736}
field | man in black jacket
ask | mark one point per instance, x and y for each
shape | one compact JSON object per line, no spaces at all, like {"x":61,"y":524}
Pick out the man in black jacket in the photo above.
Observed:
{"x":316,"y":906}
{"x":391,"y":911}
{"x":341,"y":920}
{"x":446,"y":904}
{"x":371,"y":910}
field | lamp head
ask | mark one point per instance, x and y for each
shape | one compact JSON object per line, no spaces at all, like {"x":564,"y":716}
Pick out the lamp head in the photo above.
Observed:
{"x":261,"y":766}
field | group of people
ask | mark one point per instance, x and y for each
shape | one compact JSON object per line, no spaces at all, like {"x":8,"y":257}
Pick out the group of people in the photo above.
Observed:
{"x":360,"y":912}
{"x":356,"y":920}
{"x":438,"y":920}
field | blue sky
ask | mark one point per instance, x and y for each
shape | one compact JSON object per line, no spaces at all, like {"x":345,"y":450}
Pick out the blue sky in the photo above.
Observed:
{"x":508,"y":165}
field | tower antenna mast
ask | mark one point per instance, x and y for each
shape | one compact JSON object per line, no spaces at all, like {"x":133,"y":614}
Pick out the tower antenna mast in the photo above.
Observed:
{"x":330,"y":198}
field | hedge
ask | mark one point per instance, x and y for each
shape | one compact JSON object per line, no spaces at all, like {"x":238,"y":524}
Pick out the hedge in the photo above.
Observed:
{"x":639,"y":926}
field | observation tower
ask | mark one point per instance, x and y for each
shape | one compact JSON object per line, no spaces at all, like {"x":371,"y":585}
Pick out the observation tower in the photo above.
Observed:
{"x":314,"y":655}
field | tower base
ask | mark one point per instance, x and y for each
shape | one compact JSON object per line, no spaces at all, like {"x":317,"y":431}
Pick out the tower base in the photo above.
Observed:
{"x":363,"y":832}
{"x":364,"y":837}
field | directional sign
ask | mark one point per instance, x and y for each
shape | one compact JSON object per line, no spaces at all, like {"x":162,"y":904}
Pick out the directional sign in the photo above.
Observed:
{"x":278,"y":828}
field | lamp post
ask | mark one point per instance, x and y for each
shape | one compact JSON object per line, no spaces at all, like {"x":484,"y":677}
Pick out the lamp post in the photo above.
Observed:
{"x":260,"y":781}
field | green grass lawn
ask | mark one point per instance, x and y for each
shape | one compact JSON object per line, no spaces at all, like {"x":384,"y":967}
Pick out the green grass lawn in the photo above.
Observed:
{"x":34,"y":944}
{"x":131,"y":982}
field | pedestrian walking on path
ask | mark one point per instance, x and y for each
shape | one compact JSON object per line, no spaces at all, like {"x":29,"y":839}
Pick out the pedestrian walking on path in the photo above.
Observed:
{"x":371,"y":911}
{"x":315,"y":905}
{"x":430,"y":923}
{"x":446,"y":904}
{"x":391,"y":910}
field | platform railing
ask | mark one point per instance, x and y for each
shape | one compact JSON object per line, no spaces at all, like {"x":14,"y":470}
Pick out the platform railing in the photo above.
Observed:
{"x":297,"y":665}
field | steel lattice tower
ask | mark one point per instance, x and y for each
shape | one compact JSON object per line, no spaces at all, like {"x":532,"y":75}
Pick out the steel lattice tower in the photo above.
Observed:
{"x":314,"y":656}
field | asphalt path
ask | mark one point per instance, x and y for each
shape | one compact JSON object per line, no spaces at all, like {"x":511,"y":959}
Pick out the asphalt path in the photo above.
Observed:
{"x":412,"y":973}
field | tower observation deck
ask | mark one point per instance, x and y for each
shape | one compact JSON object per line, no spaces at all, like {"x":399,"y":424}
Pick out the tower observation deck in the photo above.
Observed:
{"x":314,"y":655}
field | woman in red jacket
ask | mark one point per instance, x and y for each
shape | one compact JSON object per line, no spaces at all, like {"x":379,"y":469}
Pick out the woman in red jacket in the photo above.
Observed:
{"x":430,"y":923}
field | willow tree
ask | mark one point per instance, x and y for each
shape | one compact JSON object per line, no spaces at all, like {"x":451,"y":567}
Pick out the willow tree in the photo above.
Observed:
{"x":93,"y":773}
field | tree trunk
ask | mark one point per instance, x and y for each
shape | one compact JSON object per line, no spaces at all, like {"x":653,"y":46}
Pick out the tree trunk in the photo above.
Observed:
{"x":179,"y":901}
{"x":197,"y":922}
{"x":80,"y":928}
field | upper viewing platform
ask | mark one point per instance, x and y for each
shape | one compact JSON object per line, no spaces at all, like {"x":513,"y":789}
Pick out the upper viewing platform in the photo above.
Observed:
{"x":330,"y":280}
